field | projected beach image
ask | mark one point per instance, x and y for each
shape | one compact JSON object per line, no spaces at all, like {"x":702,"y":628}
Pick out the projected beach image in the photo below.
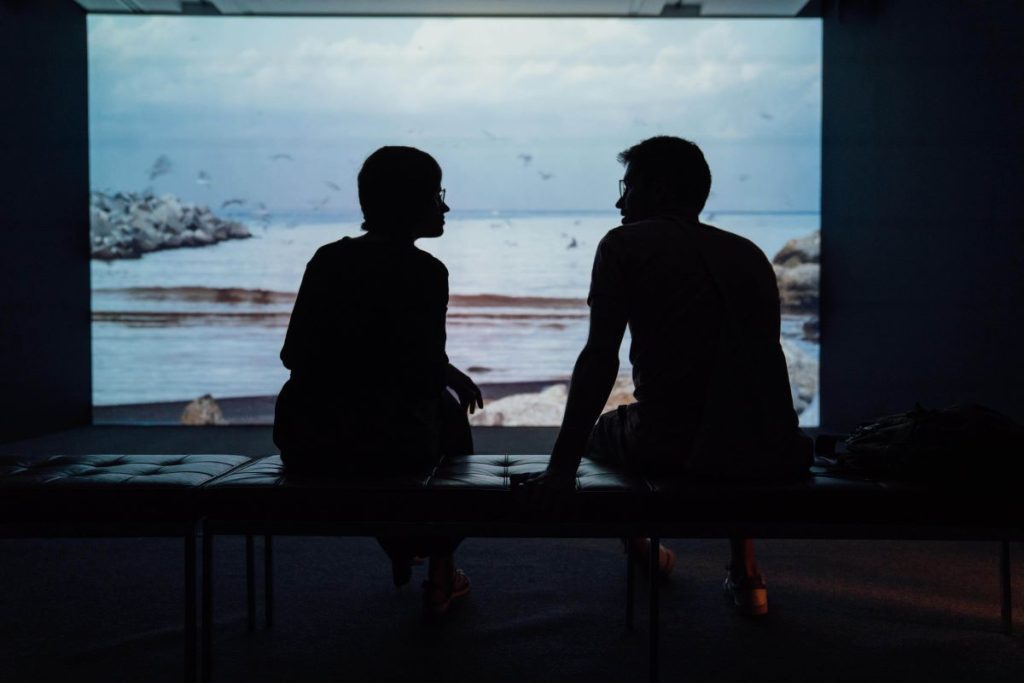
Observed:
{"x":223,"y":152}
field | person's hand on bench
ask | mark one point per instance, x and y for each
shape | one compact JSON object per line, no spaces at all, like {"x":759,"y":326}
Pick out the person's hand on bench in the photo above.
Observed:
{"x":542,"y":490}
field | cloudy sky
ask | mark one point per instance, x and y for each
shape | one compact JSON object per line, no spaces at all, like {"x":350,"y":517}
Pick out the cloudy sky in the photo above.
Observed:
{"x":522,"y":114}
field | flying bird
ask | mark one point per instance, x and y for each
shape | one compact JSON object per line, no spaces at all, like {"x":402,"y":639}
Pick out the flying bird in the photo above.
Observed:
{"x":744,"y":177}
{"x":318,"y":204}
{"x":231,"y":202}
{"x":161,"y":166}
{"x":204,"y":178}
{"x":573,"y":244}
{"x":545,"y":176}
{"x":332,"y":185}
{"x":525,"y":158}
{"x":280,"y":156}
{"x":766,"y":116}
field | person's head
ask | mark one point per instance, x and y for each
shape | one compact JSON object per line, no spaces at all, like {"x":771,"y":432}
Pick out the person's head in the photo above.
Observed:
{"x":664,"y":175}
{"x":400,"y":193}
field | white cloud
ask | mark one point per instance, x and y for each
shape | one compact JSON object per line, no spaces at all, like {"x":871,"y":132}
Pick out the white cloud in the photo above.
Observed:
{"x":476,"y":92}
{"x":441,"y":66}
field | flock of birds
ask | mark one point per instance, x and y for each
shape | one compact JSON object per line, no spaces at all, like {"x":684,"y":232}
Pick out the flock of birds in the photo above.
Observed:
{"x":163,"y":166}
{"x":259,"y":212}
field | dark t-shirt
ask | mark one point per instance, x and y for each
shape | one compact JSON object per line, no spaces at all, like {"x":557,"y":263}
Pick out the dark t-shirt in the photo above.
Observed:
{"x":366,"y":350}
{"x":703,"y":312}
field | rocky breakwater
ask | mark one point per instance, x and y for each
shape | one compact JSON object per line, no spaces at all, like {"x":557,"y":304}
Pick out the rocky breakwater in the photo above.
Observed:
{"x":129,"y":224}
{"x":798,"y":271}
{"x":544,"y":408}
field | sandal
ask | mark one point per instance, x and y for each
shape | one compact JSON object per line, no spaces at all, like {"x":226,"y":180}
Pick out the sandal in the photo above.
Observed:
{"x":748,"y":594}
{"x":437,"y":599}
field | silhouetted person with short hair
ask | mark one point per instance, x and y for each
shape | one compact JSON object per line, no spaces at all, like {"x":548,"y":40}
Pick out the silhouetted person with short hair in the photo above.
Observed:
{"x":366,"y":350}
{"x":711,"y":386}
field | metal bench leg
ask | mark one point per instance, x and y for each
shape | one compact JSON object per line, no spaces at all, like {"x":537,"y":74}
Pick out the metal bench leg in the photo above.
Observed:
{"x":1006,"y":611}
{"x":630,"y":590}
{"x":268,"y":578}
{"x":250,"y":581}
{"x":207,"y":625}
{"x":653,"y":572}
{"x":191,"y":637}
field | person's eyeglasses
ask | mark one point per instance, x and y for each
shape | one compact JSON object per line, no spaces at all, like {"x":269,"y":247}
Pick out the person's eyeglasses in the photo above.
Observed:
{"x":440,"y":196}
{"x":622,"y":188}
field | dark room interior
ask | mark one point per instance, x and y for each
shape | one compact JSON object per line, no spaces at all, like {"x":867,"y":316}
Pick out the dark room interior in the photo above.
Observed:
{"x":921,"y":300}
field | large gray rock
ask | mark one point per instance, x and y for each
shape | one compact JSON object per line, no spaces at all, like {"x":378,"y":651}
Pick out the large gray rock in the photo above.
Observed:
{"x":127,"y":225}
{"x":542,"y":409}
{"x":798,"y":273}
{"x":805,"y":249}
{"x":546,"y":408}
{"x":799,"y":287}
{"x":202,"y":411}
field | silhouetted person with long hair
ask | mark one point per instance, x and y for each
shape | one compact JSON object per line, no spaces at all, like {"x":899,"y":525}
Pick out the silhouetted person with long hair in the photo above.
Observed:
{"x":366,"y":350}
{"x":711,"y":385}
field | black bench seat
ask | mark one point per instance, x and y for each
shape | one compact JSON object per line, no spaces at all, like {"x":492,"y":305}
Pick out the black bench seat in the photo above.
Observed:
{"x":176,"y":495}
{"x":473,"y":496}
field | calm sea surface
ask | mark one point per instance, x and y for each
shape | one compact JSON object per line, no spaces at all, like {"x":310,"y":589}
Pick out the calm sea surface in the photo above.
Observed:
{"x":177,"y":324}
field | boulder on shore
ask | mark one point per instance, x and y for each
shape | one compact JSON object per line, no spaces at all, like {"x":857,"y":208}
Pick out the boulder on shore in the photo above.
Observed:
{"x":800,"y":250}
{"x":546,"y":408}
{"x":202,"y":411}
{"x":542,"y":409}
{"x":798,"y":273}
{"x":799,"y":288}
{"x":129,"y":224}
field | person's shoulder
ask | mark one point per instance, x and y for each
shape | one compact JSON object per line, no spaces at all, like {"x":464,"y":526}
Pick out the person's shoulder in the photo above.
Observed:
{"x":429,"y":262}
{"x":619,"y":234}
{"x":332,"y":251}
{"x":731,"y":243}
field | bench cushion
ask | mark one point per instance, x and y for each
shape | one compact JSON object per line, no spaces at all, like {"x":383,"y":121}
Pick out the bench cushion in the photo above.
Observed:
{"x":463,"y":491}
{"x":106,"y":488}
{"x":477,"y":489}
{"x":261,"y":491}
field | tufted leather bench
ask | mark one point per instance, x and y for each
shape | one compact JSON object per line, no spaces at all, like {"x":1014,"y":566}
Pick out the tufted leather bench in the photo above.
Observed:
{"x":113,"y":495}
{"x":169,"y":495}
{"x":473,"y":496}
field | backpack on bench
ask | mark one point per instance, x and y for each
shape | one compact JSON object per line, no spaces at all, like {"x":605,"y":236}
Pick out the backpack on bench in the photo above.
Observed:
{"x":961,"y":442}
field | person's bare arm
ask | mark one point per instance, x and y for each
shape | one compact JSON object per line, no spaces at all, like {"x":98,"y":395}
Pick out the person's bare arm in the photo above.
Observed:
{"x":592,"y":377}
{"x":592,"y":380}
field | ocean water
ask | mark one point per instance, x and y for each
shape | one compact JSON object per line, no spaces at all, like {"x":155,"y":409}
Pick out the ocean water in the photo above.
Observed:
{"x":177,"y":324}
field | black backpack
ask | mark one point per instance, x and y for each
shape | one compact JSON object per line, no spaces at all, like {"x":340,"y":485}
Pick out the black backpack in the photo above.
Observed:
{"x":963,"y":442}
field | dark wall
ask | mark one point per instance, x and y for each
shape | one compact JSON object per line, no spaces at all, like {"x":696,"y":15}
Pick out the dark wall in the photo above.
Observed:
{"x":922,"y":207}
{"x":44,"y":232}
